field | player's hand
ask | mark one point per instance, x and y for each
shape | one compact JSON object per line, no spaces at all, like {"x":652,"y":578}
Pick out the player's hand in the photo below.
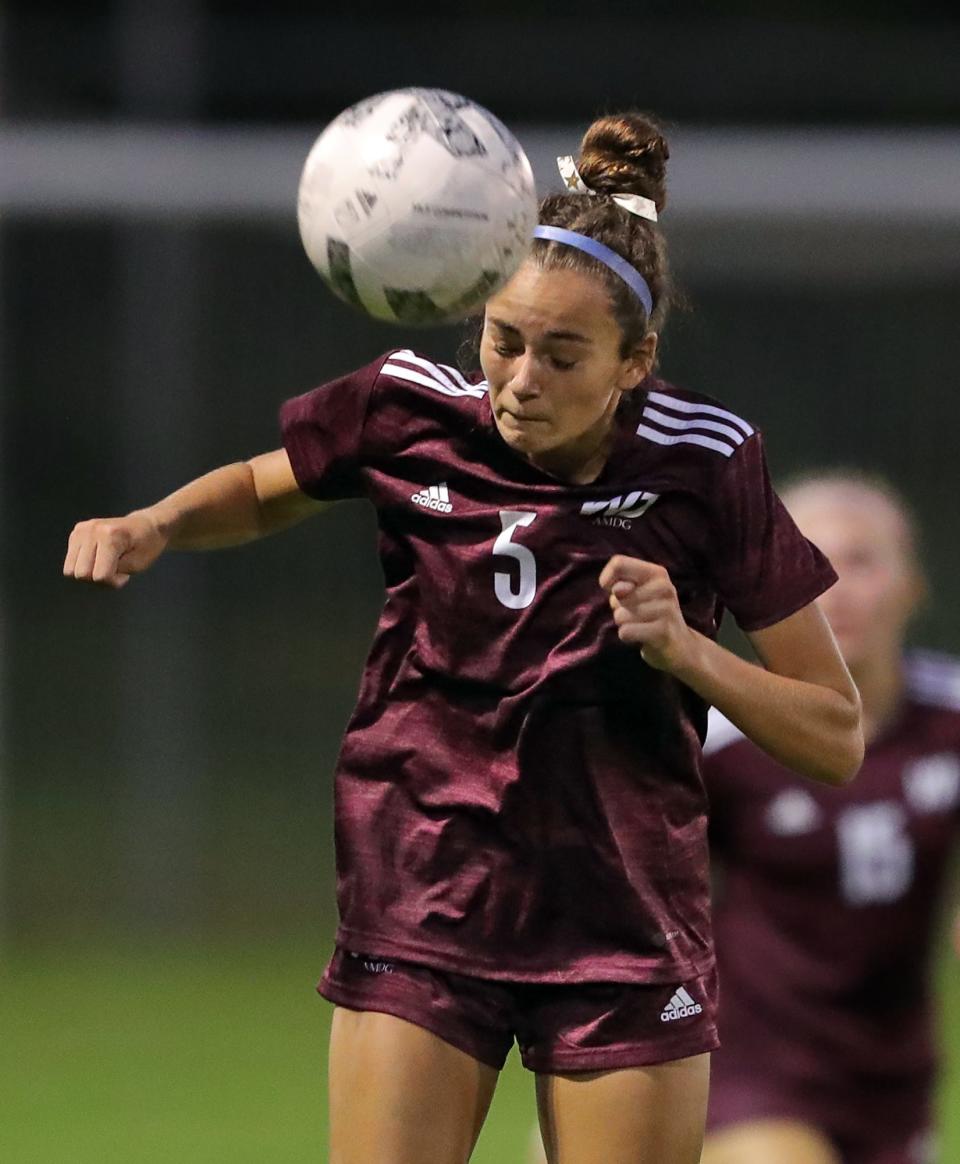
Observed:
{"x":647,"y":611}
{"x":108,"y":550}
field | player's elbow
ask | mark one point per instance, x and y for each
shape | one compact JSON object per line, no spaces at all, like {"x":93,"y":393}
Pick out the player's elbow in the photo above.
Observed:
{"x":839,"y":757}
{"x":844,"y":763}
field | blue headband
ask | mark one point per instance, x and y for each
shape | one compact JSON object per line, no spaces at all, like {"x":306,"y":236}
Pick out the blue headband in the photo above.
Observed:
{"x":627,"y":272}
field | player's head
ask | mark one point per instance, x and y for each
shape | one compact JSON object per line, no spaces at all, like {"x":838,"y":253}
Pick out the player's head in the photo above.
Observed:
{"x":577,"y":327}
{"x":621,"y":154}
{"x":867,"y":531}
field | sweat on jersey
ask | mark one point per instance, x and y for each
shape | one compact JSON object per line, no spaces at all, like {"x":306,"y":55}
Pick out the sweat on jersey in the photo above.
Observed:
{"x":827,"y":907}
{"x":518,"y":794}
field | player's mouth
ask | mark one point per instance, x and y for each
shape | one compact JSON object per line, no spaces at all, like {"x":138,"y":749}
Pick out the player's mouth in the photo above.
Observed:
{"x":522,"y":417}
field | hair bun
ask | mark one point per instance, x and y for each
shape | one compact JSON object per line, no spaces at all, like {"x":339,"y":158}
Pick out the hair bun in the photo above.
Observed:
{"x":626,"y":153}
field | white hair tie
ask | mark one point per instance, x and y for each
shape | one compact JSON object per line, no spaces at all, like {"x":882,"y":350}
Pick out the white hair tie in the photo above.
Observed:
{"x":635,"y":203}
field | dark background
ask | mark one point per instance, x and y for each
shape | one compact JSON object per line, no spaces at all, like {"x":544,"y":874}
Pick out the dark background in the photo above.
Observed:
{"x":167,"y":751}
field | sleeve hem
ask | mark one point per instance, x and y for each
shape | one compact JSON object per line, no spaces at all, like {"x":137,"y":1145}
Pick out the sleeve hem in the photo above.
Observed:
{"x":298,"y":457}
{"x":821,"y":586}
{"x":296,"y":445}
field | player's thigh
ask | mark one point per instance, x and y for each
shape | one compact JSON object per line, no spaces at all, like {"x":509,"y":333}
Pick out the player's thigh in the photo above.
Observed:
{"x":400,"y":1094}
{"x":635,"y":1115}
{"x":771,"y":1141}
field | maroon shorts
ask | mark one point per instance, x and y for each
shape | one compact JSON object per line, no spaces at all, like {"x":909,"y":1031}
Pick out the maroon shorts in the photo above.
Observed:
{"x":871,"y":1132}
{"x":590,"y":1026}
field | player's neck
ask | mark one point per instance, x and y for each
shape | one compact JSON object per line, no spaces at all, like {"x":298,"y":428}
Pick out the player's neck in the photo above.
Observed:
{"x":880,"y":683}
{"x":577,"y":470}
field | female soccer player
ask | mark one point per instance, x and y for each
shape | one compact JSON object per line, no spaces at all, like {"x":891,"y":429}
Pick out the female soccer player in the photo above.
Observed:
{"x":521,"y":826}
{"x":828,"y":902}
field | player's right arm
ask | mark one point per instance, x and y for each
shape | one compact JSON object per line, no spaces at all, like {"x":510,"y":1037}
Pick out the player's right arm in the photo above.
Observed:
{"x":227,"y":507}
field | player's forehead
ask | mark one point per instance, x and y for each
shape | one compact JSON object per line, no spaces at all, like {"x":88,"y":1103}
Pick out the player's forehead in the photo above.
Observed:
{"x":554,"y":303}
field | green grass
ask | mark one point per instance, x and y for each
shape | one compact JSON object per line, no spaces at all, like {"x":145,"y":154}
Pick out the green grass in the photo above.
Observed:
{"x":152,"y":1055}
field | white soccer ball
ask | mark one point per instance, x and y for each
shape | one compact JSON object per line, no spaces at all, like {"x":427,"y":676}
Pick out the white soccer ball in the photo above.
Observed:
{"x":416,"y":205}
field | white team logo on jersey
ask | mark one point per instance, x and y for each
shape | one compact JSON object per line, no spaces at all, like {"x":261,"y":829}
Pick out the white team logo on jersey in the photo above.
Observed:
{"x":792,"y":813}
{"x":618,"y":511}
{"x":932,"y":783}
{"x":682,"y":1005}
{"x":434,"y":497}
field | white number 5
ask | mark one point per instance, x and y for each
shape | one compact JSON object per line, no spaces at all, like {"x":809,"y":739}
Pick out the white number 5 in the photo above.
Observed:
{"x":515,"y":596}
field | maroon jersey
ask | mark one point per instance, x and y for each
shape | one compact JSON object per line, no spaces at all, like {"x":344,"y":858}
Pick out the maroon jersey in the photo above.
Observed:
{"x":518,"y":794}
{"x":826,"y":907}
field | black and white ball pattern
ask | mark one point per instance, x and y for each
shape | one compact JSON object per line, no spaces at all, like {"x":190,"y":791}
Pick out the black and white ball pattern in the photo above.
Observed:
{"x":416,"y":205}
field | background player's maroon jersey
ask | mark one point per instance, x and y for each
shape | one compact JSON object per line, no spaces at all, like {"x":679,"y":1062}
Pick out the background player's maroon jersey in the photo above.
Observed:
{"x":518,"y":794}
{"x":826,"y":908}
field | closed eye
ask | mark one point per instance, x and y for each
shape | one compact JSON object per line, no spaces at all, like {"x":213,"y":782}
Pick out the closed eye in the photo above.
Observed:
{"x":504,"y":350}
{"x":509,"y":353}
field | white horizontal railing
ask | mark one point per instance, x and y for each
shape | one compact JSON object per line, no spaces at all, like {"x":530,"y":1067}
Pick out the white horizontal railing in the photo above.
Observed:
{"x":870,"y":203}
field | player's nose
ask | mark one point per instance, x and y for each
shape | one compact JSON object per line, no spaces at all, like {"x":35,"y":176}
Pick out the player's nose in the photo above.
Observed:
{"x":525,"y":382}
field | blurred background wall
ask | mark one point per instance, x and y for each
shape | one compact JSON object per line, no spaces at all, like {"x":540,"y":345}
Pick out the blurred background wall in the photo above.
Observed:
{"x":166,"y":752}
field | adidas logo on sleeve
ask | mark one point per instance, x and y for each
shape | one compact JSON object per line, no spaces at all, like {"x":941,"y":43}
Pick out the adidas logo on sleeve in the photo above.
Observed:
{"x":680,"y":1006}
{"x":434,"y":497}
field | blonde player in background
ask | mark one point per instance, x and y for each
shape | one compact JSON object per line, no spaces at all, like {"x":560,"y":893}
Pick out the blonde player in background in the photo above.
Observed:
{"x":828,"y":900}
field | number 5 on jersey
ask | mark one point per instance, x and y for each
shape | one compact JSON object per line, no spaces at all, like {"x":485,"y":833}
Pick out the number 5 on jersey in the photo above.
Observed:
{"x":516,"y":588}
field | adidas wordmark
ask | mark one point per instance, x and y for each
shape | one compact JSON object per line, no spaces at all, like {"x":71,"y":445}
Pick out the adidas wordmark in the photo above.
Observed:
{"x":434,"y":497}
{"x":680,"y":1006}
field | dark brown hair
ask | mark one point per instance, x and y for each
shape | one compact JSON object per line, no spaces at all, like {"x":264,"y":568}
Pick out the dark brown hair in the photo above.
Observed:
{"x":621,"y":153}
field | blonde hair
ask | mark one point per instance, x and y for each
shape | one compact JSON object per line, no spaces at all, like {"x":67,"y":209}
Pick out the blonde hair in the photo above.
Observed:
{"x":858,"y":485}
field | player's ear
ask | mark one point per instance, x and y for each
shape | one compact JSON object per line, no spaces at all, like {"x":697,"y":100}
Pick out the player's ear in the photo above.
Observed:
{"x":639,"y":364}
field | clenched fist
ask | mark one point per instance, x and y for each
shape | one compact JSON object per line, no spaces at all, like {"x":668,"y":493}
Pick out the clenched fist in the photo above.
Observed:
{"x":647,"y":612}
{"x":108,"y":550}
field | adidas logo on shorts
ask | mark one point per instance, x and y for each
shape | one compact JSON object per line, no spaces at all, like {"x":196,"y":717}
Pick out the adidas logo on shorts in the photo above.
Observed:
{"x":680,"y":1006}
{"x":435,"y":497}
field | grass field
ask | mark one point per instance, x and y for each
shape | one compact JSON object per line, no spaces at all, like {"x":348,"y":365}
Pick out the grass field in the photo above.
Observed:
{"x":211,"y":1056}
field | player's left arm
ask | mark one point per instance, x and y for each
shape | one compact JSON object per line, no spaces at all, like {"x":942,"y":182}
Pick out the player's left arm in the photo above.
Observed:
{"x":800,"y":706}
